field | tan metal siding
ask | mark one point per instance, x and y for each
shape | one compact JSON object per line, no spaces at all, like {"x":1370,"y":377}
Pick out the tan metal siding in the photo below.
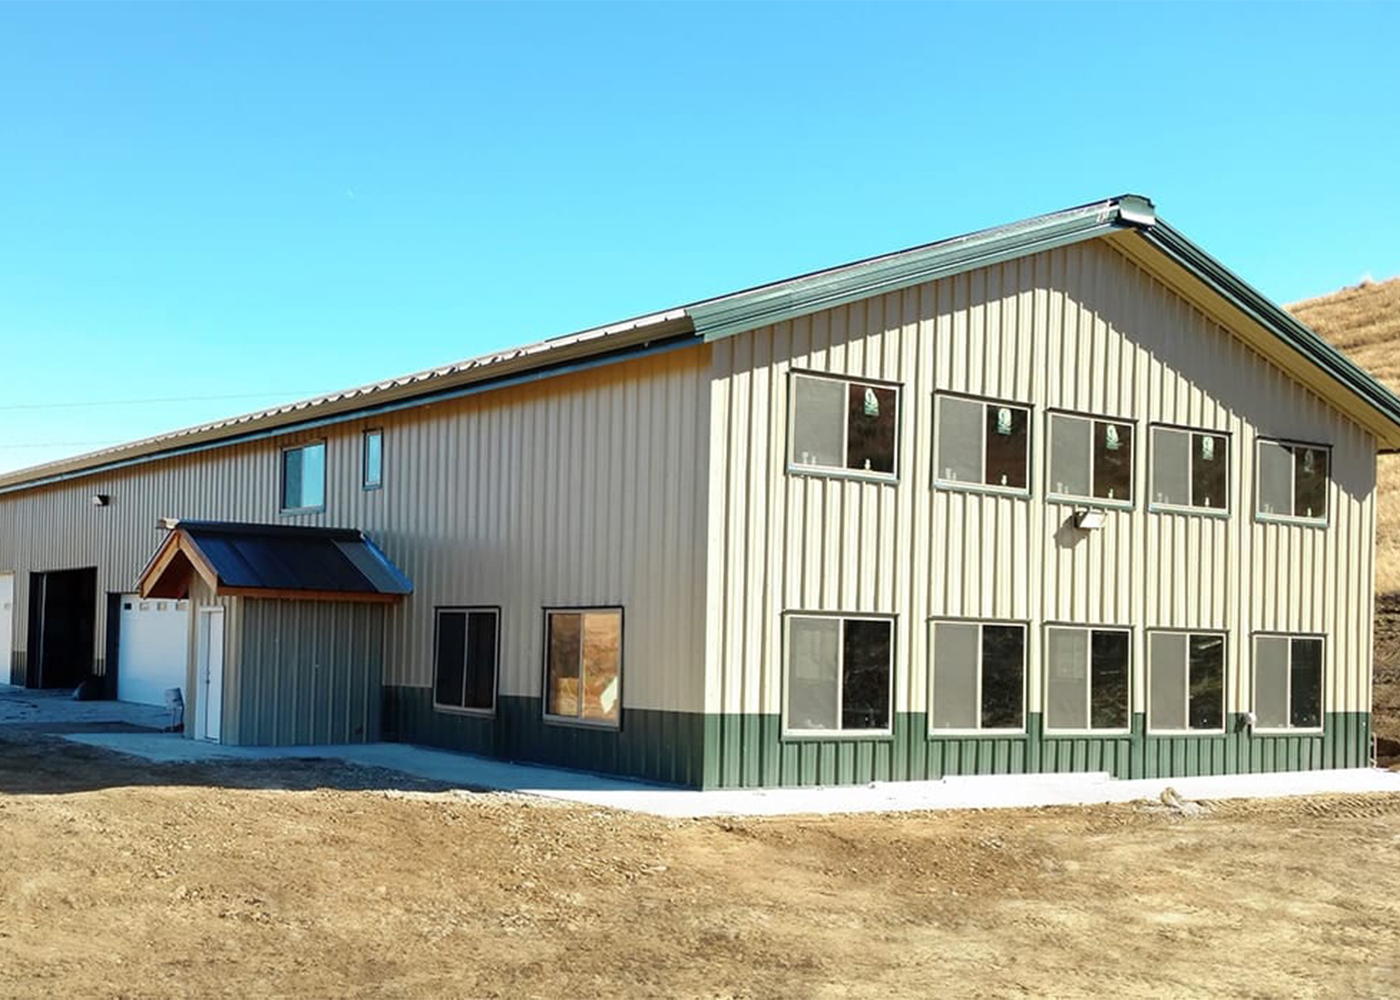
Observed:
{"x":1082,"y":328}
{"x":585,"y":488}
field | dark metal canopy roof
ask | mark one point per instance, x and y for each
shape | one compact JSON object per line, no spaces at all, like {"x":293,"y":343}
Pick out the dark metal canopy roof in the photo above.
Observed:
{"x":273,"y":560}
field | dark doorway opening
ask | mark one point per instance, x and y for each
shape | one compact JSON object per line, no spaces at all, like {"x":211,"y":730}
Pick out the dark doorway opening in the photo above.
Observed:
{"x":62,"y":620}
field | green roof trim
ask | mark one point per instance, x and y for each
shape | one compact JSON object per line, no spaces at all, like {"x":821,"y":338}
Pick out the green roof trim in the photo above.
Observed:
{"x":731,"y":314}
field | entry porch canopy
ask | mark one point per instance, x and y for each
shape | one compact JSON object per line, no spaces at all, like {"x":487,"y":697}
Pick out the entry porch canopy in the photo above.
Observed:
{"x":272,"y":561}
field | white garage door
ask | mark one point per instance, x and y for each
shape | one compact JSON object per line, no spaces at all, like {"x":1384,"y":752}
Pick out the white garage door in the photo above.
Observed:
{"x":152,"y":645}
{"x":7,"y":624}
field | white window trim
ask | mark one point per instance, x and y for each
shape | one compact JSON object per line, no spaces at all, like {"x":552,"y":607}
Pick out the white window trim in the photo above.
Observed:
{"x":365,"y":483}
{"x":1176,"y":508}
{"x":797,"y":468}
{"x":981,"y":623}
{"x":1310,"y":522}
{"x":1288,"y":688}
{"x":982,"y":487}
{"x":838,"y":734}
{"x":282,"y":477}
{"x":1073,"y":499}
{"x":1046,"y":728}
{"x":578,"y":720}
{"x":1224,"y":682}
{"x":468,"y":610}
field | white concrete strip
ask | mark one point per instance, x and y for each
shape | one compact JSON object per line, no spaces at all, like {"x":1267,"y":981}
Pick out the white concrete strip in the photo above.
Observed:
{"x":990,"y":792}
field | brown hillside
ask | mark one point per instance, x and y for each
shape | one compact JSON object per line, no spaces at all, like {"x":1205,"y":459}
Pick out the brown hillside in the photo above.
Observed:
{"x":1364,"y":322}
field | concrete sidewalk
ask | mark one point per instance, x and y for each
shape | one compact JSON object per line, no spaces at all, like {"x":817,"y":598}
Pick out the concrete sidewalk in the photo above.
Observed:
{"x":991,"y":792}
{"x":40,"y":708}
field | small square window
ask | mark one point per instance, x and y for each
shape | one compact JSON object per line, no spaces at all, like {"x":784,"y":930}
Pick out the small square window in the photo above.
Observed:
{"x":844,"y":426}
{"x":465,"y":655}
{"x":981,"y":444}
{"x":304,"y":477}
{"x":839,"y":673}
{"x":1190,"y":469}
{"x":1288,"y":675}
{"x":978,"y":677}
{"x":372,"y":460}
{"x":583,"y":669}
{"x":1091,"y":459}
{"x":1292,"y":481}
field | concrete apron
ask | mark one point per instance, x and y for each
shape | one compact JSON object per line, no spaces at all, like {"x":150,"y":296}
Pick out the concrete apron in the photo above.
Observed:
{"x":982,"y":792}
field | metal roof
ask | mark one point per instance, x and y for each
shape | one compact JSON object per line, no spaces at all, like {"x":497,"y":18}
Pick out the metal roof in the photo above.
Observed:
{"x":273,"y":560}
{"x":714,"y":318}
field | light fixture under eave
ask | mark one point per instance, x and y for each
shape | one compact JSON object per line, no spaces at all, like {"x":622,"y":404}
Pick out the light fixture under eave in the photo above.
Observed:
{"x":1089,"y":520}
{"x":101,"y":499}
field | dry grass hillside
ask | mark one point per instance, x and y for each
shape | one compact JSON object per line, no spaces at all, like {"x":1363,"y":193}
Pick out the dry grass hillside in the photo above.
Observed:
{"x":1364,"y":322}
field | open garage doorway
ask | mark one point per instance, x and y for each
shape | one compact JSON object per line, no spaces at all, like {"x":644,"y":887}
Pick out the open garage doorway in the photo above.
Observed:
{"x":62,"y":619}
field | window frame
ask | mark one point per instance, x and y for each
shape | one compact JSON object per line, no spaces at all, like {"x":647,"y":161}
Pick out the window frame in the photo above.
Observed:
{"x":805,"y":735}
{"x":1308,"y":522}
{"x":365,"y":483}
{"x":1224,"y":635}
{"x":468,"y":610}
{"x":979,"y":731}
{"x":796,"y":468}
{"x":1018,"y":492}
{"x":550,"y":718}
{"x":1172,"y":508}
{"x":1045,"y":727}
{"x":1290,"y":730}
{"x":1070,"y":499}
{"x":282,"y":508}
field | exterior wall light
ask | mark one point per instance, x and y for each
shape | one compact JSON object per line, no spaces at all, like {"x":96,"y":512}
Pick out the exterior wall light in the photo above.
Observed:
{"x":1089,"y":520}
{"x":101,"y":499}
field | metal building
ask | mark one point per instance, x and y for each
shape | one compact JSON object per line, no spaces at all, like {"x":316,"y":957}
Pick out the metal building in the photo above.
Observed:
{"x":1061,"y":495}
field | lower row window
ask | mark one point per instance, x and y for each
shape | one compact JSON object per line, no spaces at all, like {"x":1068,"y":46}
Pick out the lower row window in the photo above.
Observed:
{"x":1186,"y":681}
{"x":838,"y":677}
{"x":1287,"y":682}
{"x":584,"y":665}
{"x":464,"y":659}
{"x":1087,"y":680}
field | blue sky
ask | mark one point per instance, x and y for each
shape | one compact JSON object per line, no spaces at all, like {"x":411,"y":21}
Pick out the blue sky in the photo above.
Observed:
{"x":233,"y":205}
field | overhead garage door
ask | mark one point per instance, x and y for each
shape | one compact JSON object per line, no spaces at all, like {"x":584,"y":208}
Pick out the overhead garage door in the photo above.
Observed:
{"x":152,"y":645}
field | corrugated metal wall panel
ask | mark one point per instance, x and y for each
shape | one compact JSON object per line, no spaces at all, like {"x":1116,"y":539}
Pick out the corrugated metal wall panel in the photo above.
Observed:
{"x":1081,"y":328}
{"x":585,"y":488}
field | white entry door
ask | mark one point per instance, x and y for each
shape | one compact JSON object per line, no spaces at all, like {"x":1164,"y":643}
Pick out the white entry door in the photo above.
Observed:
{"x":7,"y":625}
{"x":152,"y":648}
{"x":211,"y":673}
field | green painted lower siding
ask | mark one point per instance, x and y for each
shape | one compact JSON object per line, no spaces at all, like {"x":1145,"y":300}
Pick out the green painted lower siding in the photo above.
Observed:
{"x":750,"y":751}
{"x":729,"y":751}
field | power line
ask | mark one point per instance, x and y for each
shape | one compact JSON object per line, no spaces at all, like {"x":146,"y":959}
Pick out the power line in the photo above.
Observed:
{"x":289,"y":394}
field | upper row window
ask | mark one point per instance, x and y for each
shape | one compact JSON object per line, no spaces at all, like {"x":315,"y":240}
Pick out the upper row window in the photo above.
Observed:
{"x":304,"y":477}
{"x":1190,"y":469}
{"x":982,"y":444}
{"x":841,"y":425}
{"x":1293,"y":480}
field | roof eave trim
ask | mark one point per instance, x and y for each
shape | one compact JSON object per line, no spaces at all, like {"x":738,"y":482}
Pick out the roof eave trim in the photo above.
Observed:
{"x":762,"y":307}
{"x":1253,"y":304}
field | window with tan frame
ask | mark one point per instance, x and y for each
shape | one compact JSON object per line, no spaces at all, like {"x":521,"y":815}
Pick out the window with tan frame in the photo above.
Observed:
{"x":583,"y":666}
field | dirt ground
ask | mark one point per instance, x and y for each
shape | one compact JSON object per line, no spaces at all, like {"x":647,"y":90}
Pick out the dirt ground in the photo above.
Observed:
{"x":307,"y":879}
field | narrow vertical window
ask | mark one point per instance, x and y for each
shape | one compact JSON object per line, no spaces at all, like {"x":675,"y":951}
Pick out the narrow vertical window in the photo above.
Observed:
{"x":1288,"y":675}
{"x":1186,"y":682}
{"x":1088,"y":679}
{"x":1190,"y":469}
{"x":583,"y":665}
{"x":981,"y":444}
{"x":1091,"y":459}
{"x":372,"y":460}
{"x":304,"y":477}
{"x":1292,"y":481}
{"x":978,"y":677}
{"x":465,"y":654}
{"x":843,"y":425}
{"x":838,"y":674}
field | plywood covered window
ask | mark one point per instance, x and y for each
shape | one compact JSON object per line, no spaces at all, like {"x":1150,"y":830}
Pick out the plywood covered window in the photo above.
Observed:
{"x":978,"y":677}
{"x":372,"y":460}
{"x":465,"y":655}
{"x":583,"y":665}
{"x":1287,"y":682}
{"x":304,"y":477}
{"x":1087,"y":679}
{"x":1091,"y":459}
{"x":838,"y":674}
{"x":843,"y":426}
{"x":1186,"y":682}
{"x":981,"y":444}
{"x":1190,"y":469}
{"x":1292,"y":481}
